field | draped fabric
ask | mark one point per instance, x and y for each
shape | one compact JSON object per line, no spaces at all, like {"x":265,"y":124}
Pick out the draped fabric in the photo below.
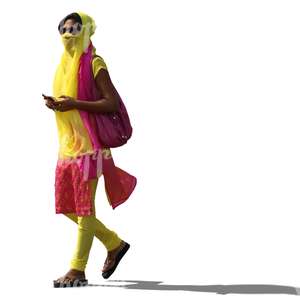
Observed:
{"x":81,"y":156}
{"x":72,"y":142}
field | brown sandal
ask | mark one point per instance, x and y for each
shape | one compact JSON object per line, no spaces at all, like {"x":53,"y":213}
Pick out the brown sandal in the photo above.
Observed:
{"x":77,"y":282}
{"x":120,"y":255}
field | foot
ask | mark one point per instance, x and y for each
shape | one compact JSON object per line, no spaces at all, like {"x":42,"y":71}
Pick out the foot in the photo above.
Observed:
{"x":71,"y":275}
{"x":111,"y":257}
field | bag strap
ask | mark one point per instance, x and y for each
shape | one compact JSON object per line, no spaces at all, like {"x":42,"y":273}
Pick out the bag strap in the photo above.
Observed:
{"x":96,"y":55}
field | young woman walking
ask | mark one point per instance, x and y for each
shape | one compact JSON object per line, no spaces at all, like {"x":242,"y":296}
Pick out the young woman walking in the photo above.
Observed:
{"x":81,"y":157}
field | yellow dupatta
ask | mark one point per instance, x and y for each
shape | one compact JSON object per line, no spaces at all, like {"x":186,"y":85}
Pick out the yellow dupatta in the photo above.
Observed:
{"x":73,"y":137}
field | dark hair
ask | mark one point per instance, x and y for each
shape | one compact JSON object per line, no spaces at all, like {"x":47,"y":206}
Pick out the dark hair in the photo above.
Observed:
{"x":73,"y":16}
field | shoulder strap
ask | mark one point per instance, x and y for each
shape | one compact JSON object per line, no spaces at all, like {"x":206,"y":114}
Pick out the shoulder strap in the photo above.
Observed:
{"x":96,"y":55}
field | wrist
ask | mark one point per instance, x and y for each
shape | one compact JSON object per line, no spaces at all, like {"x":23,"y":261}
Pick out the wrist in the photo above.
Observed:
{"x":76,"y":103}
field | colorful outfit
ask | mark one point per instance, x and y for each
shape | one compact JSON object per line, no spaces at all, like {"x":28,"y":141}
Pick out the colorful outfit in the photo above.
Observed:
{"x":81,"y":157}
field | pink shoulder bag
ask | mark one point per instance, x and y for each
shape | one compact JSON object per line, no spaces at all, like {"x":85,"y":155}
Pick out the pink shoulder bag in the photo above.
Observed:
{"x":114,"y":129}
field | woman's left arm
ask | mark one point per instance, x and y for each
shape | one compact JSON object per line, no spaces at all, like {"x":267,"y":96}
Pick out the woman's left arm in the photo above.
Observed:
{"x":109,"y":102}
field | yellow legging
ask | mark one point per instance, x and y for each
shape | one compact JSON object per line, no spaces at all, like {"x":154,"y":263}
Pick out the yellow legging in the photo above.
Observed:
{"x":88,"y":226}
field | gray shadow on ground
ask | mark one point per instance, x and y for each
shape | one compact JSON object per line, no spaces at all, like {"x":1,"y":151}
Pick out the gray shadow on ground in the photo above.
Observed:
{"x":218,"y":289}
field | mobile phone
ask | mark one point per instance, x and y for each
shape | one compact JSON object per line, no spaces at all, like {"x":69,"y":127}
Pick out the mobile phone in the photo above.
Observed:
{"x":48,"y":97}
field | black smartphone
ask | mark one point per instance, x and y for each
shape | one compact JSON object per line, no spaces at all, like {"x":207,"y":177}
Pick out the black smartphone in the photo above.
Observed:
{"x":48,"y":97}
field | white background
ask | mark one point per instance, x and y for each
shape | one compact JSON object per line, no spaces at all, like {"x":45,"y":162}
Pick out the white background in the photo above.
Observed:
{"x":212,"y":90}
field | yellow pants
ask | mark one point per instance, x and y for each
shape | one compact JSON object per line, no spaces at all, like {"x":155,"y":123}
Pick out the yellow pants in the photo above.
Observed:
{"x":88,"y":226}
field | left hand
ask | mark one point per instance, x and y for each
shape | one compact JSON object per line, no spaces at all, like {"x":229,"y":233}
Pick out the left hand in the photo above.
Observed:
{"x":67,"y":103}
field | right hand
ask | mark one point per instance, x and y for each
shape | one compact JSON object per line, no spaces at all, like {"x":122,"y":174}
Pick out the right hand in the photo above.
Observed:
{"x":49,"y":101}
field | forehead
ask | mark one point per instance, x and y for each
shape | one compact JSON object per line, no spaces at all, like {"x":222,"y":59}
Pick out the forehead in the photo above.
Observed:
{"x":69,"y":22}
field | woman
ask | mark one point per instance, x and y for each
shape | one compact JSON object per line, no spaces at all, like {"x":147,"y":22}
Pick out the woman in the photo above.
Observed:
{"x":80,"y":150}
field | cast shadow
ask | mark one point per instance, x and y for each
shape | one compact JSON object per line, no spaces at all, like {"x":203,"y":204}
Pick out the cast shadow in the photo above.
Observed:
{"x":218,"y":289}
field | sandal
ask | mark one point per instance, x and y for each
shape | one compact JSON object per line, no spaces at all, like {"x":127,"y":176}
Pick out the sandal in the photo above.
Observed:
{"x":122,"y":252}
{"x":70,"y":283}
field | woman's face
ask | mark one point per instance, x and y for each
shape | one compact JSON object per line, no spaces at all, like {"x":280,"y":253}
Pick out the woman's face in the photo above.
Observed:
{"x":68,"y":39}
{"x":68,"y":24}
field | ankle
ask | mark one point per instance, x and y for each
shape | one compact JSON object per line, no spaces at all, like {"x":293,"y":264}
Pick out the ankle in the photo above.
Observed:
{"x":121,"y":244}
{"x":75,"y":271}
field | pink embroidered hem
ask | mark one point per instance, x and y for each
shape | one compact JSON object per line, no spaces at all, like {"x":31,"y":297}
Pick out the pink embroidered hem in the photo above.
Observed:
{"x":72,"y":191}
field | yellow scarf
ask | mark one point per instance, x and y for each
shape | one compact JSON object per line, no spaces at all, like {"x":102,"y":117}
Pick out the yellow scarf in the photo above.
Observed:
{"x":73,"y":136}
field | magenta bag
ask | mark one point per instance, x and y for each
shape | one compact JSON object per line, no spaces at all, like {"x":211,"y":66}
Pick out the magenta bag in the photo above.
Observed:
{"x":114,"y":129}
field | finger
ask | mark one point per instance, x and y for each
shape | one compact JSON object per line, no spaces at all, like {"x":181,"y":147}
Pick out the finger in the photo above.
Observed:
{"x":49,"y":106}
{"x":49,"y":100}
{"x":64,"y":98}
{"x":49,"y":103}
{"x":56,"y":103}
{"x":47,"y":97}
{"x":58,"y":106}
